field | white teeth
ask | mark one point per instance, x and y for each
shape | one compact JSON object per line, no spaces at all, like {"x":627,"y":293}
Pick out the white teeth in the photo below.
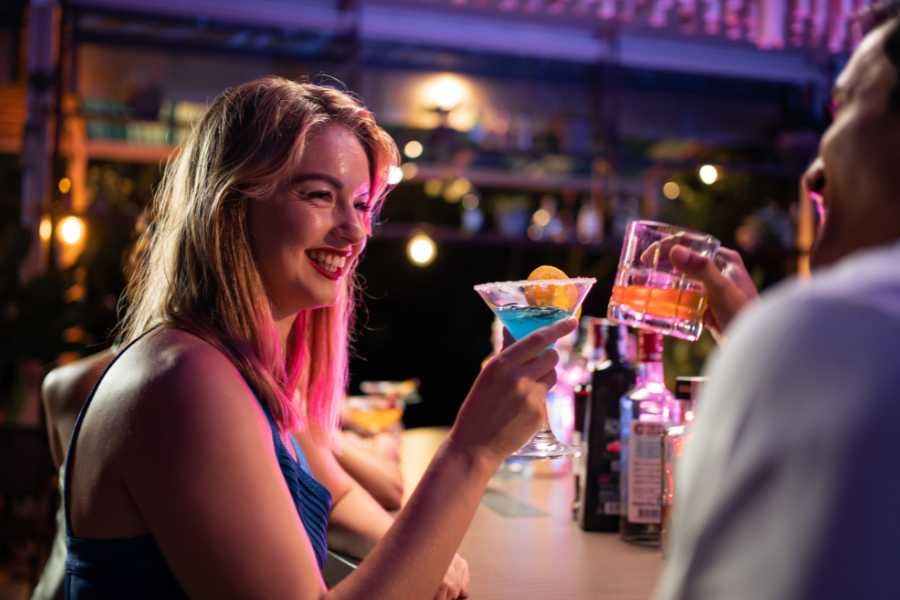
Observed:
{"x":327,"y":260}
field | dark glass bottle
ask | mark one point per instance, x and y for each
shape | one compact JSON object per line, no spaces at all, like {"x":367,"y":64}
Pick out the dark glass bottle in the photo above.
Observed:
{"x":600,"y":507}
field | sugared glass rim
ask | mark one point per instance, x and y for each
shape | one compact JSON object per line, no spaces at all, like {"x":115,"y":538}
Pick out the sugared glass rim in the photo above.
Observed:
{"x":496,"y":285}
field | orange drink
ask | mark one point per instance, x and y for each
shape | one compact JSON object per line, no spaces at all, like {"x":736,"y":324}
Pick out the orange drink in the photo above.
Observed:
{"x":667,"y":303}
{"x":649,"y":292}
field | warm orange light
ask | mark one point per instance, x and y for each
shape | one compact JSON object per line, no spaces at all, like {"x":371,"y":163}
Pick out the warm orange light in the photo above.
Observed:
{"x":421,"y":250}
{"x":45,"y":229}
{"x":410,"y":170}
{"x":671,"y":190}
{"x":413,"y":149}
{"x":72,"y":230}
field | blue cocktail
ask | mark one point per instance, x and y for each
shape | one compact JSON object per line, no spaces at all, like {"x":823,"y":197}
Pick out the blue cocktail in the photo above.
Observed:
{"x":520,"y":321}
{"x":524,"y":307}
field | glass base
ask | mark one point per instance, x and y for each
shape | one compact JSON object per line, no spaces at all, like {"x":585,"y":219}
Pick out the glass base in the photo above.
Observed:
{"x":544,"y":445}
{"x":680,"y":328}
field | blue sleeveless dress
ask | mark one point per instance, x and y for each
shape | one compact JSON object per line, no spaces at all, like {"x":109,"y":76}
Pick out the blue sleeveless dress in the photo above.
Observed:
{"x":135,"y":567}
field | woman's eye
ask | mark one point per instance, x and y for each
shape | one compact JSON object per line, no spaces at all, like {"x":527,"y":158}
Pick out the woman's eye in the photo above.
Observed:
{"x":316,"y":194}
{"x":362,"y":205}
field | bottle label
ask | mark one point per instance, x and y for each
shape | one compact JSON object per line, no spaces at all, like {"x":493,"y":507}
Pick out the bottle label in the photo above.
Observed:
{"x":608,"y":494}
{"x":645,"y":472}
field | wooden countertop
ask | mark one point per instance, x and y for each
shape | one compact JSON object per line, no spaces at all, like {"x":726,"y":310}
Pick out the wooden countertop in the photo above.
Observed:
{"x":523,"y":543}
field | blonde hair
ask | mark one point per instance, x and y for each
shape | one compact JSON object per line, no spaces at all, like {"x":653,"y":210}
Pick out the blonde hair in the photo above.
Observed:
{"x":197,"y":272}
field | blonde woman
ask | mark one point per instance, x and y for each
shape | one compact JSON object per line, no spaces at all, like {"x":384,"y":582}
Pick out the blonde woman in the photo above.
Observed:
{"x":182,"y":478}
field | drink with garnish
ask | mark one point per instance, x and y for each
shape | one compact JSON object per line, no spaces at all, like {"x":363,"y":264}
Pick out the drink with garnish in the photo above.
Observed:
{"x":523,"y":307}
{"x":371,"y":415}
{"x":649,"y":292}
{"x":381,"y":406}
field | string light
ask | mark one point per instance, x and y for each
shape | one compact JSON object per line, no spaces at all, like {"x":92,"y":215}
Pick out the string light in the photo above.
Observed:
{"x":45,"y":229}
{"x":71,"y":230}
{"x":671,"y":190}
{"x":709,"y":174}
{"x":413,"y":149}
{"x":421,"y":250}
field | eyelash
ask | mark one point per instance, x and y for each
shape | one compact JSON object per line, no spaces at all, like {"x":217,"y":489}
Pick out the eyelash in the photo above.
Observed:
{"x":317,"y":195}
{"x":361,"y":205}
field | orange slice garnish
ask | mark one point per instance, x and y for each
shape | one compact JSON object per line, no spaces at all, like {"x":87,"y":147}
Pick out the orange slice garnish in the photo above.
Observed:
{"x":560,"y":296}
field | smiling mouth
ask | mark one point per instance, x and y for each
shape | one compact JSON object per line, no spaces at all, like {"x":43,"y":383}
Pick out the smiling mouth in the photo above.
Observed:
{"x":330,"y":264}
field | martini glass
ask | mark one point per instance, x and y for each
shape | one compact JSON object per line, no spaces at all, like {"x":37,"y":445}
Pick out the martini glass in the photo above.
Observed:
{"x":524,"y":307}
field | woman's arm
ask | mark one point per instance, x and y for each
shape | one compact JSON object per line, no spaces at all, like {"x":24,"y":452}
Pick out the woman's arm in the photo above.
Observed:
{"x":505,"y":406}
{"x":378,"y":475}
{"x":353,"y":509}
{"x":199,"y":463}
{"x":357,"y":521}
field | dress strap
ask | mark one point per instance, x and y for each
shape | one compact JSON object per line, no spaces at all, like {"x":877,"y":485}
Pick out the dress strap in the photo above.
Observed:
{"x":70,"y":451}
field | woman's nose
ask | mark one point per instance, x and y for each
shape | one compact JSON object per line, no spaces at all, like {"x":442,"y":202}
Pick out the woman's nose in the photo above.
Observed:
{"x":350,"y":224}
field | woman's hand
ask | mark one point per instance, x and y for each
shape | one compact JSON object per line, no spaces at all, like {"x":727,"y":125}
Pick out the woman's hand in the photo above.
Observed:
{"x":506,"y":404}
{"x":456,"y":580}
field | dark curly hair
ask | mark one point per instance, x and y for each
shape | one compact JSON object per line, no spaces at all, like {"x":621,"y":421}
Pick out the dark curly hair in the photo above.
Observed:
{"x":878,"y":14}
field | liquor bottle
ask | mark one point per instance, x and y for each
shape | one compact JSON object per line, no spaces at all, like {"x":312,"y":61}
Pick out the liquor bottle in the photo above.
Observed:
{"x":584,"y":348}
{"x":686,"y":391}
{"x":645,"y":412}
{"x":599,"y":508}
{"x":581,"y":399}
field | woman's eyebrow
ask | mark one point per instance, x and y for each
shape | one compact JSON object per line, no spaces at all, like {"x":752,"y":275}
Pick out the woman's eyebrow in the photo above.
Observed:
{"x":336,"y":183}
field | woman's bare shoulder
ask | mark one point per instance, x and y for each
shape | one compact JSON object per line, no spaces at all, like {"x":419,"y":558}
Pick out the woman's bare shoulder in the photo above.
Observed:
{"x":172,"y":381}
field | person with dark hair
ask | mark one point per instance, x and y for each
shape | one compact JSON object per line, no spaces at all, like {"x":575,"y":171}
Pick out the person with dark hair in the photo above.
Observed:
{"x":787,"y":489}
{"x":63,"y":392}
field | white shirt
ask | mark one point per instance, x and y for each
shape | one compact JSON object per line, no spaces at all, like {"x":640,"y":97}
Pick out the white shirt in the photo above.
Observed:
{"x":789,"y":488}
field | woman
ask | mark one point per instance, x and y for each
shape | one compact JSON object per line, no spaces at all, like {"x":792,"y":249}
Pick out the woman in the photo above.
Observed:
{"x":182,"y":475}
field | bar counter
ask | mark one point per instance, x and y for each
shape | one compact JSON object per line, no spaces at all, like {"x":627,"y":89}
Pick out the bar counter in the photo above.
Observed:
{"x":523,"y":542}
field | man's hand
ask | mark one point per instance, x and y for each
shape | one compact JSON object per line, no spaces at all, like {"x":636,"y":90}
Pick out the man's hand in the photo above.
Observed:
{"x":729,"y":287}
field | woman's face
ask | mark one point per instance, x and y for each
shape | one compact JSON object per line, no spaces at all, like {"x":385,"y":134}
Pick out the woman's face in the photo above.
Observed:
{"x":307,"y":237}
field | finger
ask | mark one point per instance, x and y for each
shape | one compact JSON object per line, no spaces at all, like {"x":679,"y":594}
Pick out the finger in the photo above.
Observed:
{"x":543,"y":363}
{"x":731,"y":256}
{"x":699,"y":267}
{"x":650,"y":255}
{"x":733,"y":268}
{"x":726,"y":297}
{"x":548,"y":379}
{"x":532,"y":345}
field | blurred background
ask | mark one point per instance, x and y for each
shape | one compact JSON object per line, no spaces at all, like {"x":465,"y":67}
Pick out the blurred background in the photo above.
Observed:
{"x":532,"y":132}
